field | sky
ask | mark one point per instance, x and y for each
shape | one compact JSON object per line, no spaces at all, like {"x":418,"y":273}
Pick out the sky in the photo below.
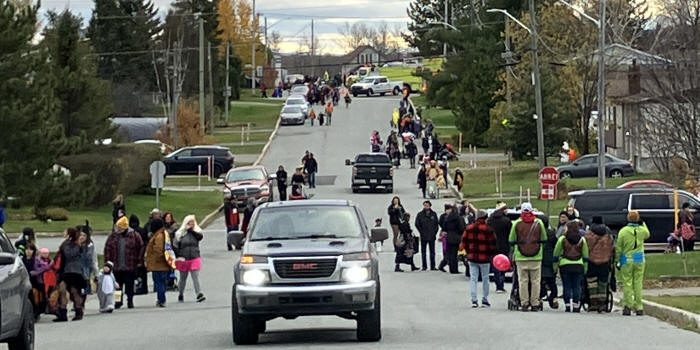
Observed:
{"x":292,"y":19}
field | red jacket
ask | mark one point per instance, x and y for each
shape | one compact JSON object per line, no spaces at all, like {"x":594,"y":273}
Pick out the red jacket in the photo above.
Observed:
{"x":479,"y":241}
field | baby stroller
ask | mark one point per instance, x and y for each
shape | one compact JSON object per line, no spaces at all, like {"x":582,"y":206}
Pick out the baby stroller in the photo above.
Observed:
{"x":514,"y":299}
{"x":432,"y":189}
{"x":612,"y":287}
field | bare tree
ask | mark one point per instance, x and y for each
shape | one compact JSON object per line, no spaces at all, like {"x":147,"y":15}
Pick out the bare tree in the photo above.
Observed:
{"x":274,"y":40}
{"x":355,"y":35}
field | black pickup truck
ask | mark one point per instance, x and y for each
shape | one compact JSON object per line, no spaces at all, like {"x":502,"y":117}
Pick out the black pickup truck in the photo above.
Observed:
{"x":371,"y":170}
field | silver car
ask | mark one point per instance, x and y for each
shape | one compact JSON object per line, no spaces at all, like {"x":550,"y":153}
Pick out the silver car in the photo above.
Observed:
{"x":299,"y":101}
{"x":292,"y":115}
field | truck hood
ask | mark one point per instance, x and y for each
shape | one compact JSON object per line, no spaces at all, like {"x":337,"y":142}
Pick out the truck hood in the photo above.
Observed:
{"x":247,"y":183}
{"x":305,"y":247}
{"x":360,"y":85}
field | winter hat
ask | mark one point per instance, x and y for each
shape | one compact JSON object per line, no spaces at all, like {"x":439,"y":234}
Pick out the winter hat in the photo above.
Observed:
{"x":526,"y":206}
{"x":155,"y":211}
{"x":156,"y":224}
{"x":122,"y":223}
{"x":44,"y":250}
{"x":28,"y":231}
{"x":481,"y":214}
{"x":110,"y":265}
{"x":633,"y":216}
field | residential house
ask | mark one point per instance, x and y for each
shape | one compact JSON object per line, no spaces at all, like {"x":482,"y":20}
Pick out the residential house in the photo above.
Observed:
{"x":316,"y":66}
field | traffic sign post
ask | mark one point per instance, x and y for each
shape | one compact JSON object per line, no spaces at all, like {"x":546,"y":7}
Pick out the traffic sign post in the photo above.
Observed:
{"x":157,"y":170}
{"x":549,"y":177}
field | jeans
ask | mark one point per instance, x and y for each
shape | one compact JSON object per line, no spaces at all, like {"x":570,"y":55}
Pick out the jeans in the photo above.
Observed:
{"x":312,"y":179}
{"x":159,"y":279}
{"x":423,"y":253}
{"x":572,"y":287}
{"x":499,"y":277}
{"x":529,"y":275}
{"x":474,"y":269}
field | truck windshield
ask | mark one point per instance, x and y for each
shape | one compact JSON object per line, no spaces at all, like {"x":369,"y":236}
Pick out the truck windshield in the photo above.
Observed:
{"x":377,"y":159}
{"x":368,"y":80}
{"x":305,"y":222}
{"x":249,"y":174}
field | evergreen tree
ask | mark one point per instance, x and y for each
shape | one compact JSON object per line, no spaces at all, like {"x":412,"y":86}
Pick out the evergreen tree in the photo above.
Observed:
{"x":84,"y":102}
{"x":421,"y":14}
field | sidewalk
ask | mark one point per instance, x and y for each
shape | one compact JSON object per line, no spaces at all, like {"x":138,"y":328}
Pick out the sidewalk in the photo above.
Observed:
{"x":675,"y":292}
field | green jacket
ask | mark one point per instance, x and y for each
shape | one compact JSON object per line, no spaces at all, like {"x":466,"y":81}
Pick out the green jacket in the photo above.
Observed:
{"x":630,"y":243}
{"x":560,"y":260}
{"x":512,"y":239}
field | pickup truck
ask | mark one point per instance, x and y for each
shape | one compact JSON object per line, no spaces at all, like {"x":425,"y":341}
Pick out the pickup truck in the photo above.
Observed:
{"x":372,"y":85}
{"x":371,"y":170}
{"x":307,"y":258}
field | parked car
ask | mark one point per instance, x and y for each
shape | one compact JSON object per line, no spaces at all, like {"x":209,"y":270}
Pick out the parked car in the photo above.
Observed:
{"x":298,"y":101}
{"x":587,"y":166}
{"x":376,"y":85}
{"x":646,"y":184}
{"x":246,"y":182}
{"x":292,"y":115}
{"x":299,"y":90}
{"x":16,"y":311}
{"x":655,"y":206}
{"x":371,"y":170}
{"x":307,"y":258}
{"x":514,"y":214}
{"x":186,"y":160}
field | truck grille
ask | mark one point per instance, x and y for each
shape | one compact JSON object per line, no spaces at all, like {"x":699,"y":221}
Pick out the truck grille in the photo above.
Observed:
{"x":306,"y":268}
{"x":244,"y":192}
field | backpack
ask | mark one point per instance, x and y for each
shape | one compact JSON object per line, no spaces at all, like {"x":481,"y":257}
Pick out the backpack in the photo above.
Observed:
{"x":529,"y":241}
{"x":573,"y":252}
{"x":600,"y":248}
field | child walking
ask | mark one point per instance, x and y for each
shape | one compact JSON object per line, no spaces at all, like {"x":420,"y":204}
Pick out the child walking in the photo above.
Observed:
{"x":107,"y":285}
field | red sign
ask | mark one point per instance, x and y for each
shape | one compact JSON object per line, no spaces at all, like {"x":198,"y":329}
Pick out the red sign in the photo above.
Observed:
{"x":549,"y":176}
{"x":548,"y":192}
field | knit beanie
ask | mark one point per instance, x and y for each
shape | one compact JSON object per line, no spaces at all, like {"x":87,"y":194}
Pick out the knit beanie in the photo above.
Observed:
{"x":122,"y":223}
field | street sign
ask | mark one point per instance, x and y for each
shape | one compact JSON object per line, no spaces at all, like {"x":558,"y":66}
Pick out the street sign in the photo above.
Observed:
{"x":157,"y":170}
{"x":548,"y":192}
{"x":549,"y":176}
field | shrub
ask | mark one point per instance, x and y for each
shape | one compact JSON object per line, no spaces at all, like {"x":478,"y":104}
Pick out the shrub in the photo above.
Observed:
{"x":57,"y":214}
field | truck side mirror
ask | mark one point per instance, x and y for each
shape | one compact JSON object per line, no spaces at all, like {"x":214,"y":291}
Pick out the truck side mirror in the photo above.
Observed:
{"x":348,"y":162}
{"x":220,"y":181}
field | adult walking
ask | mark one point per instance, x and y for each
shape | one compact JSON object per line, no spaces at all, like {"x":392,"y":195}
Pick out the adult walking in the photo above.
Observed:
{"x":71,"y":276}
{"x":411,"y":153}
{"x":630,"y":255}
{"x":282,"y":183}
{"x":405,"y":245}
{"x":311,"y":167}
{"x":395,"y":212}
{"x":452,"y":228}
{"x":428,"y":225}
{"x":329,"y":112}
{"x":88,"y":260}
{"x":601,"y":249}
{"x":156,"y":262}
{"x":422,"y":178}
{"x":189,"y":261}
{"x":686,"y":227}
{"x":571,"y":257}
{"x":141,"y":282}
{"x":500,"y":224}
{"x":170,"y":224}
{"x":526,"y":236}
{"x":124,"y":248}
{"x":479,"y":241}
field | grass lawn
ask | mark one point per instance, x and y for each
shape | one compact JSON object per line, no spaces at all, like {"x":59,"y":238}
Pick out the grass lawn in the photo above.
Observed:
{"x":688,"y":303}
{"x":187,"y":181}
{"x":180,"y":203}
{"x":671,"y":264}
{"x":235,"y":137}
{"x":246,"y":149}
{"x":404,"y":73}
{"x":260,"y":116}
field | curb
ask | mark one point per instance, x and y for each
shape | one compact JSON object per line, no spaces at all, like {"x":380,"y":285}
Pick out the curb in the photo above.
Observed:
{"x":209,"y":219}
{"x":675,"y":316}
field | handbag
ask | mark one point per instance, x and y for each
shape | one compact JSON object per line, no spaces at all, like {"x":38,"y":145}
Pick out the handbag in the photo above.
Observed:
{"x":687,"y":231}
{"x":169,"y":252}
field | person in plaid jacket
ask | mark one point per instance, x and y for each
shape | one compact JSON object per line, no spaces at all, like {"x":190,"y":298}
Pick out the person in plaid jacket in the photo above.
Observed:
{"x":479,"y":242}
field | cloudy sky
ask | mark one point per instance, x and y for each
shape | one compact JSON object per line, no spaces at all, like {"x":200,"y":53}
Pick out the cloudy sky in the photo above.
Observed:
{"x":292,"y":18}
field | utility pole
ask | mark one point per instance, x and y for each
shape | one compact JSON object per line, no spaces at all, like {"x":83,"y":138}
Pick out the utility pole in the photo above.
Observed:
{"x":313,"y":67}
{"x":601,"y":98}
{"x":227,"y":91}
{"x":202,"y":124}
{"x":444,"y":44}
{"x":177,"y":88}
{"x":538,"y":88}
{"x":210,"y":96}
{"x":252,"y":75}
{"x":267,"y":46}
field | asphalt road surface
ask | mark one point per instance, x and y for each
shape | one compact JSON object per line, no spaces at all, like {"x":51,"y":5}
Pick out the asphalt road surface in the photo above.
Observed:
{"x":420,"y":309}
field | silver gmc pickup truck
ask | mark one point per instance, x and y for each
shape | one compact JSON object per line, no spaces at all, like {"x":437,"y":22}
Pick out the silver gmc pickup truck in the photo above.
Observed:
{"x":304,"y":258}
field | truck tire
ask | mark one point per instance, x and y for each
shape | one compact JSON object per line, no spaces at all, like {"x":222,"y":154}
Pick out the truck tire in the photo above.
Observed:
{"x":396,"y":91}
{"x":390,"y":189}
{"x":355,"y":189}
{"x":370,"y":92}
{"x":244,"y":327}
{"x":24,"y":340}
{"x":382,"y":93}
{"x":369,"y":323}
{"x":217,"y":171}
{"x":354,"y":94}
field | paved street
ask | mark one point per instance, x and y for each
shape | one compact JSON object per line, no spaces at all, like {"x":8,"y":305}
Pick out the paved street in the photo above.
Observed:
{"x":420,"y":309}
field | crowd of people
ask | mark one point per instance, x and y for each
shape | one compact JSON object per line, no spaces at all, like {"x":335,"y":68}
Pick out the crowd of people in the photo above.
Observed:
{"x":582,"y":257}
{"x":161,"y":247}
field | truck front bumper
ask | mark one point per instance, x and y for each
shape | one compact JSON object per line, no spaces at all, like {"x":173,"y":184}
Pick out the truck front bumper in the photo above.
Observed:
{"x":372,"y":182}
{"x":326,"y":299}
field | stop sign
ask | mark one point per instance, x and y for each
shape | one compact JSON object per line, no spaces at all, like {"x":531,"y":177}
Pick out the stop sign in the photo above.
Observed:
{"x":549,"y":176}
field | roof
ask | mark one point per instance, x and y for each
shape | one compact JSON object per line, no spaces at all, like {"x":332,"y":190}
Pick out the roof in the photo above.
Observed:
{"x":626,"y":55}
{"x":309,"y":203}
{"x":205,"y":146}
{"x":625,"y":191}
{"x":248,"y":167}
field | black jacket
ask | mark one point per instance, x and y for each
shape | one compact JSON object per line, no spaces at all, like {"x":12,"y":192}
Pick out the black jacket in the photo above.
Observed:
{"x":422,"y":178}
{"x":500,"y":224}
{"x":311,"y":166}
{"x":281,"y":178}
{"x":427,"y":224}
{"x":395,"y":214}
{"x":548,"y":255}
{"x":453,"y":225}
{"x":297,"y":179}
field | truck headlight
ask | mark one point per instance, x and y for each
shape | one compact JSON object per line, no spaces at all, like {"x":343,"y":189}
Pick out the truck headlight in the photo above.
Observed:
{"x":356,"y":274}
{"x":265,"y":189}
{"x":227,"y":193}
{"x":255,"y":277}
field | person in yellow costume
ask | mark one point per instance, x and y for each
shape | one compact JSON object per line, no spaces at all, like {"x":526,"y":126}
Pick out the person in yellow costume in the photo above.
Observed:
{"x":395,"y":117}
{"x":630,"y":254}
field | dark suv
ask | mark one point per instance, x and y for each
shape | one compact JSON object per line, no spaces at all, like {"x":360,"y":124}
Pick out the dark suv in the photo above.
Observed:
{"x":656,"y":207}
{"x":305,"y":258}
{"x":187,"y":160}
{"x":16,"y":312}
